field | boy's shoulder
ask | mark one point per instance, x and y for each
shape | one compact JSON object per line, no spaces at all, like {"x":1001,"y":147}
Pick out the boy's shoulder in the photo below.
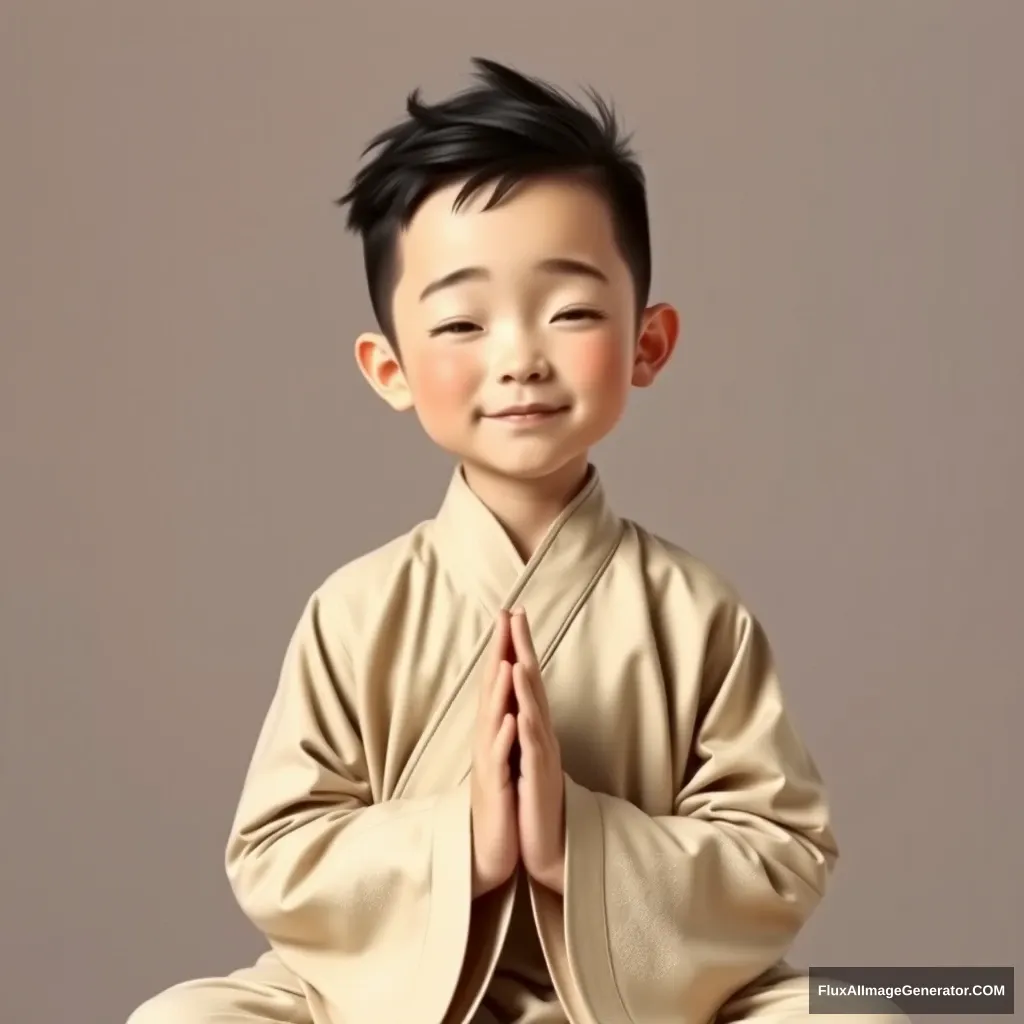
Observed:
{"x":375,"y":572}
{"x":669,"y":563}
{"x":685,"y":587}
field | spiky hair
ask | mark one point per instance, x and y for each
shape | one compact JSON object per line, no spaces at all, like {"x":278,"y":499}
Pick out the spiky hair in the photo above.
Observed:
{"x":507,"y":128}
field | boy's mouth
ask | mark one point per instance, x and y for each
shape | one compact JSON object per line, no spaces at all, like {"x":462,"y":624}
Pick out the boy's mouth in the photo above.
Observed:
{"x":535,"y":412}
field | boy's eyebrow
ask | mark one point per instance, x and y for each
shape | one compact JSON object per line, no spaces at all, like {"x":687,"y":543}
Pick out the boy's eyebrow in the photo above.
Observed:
{"x":554,"y":265}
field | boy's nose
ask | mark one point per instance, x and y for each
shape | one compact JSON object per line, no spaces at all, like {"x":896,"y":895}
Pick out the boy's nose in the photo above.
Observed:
{"x":531,"y":374}
{"x":522,"y":362}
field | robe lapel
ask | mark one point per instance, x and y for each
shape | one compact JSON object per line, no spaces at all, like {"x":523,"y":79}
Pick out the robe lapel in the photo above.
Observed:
{"x":551,"y":587}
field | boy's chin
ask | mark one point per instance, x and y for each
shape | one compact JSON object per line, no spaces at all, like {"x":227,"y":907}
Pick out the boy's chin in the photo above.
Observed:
{"x":525,"y":467}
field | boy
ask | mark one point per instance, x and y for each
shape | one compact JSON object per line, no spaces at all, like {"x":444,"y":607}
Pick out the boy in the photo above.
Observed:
{"x":527,"y":763}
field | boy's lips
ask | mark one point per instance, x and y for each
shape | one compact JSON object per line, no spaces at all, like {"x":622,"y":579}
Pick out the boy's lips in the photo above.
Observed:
{"x":531,"y":411}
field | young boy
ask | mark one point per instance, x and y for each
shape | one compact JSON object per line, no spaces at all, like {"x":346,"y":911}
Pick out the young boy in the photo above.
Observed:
{"x":527,"y":763}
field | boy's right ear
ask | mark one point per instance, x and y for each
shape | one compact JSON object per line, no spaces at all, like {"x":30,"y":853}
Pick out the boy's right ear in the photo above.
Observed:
{"x":380,"y":366}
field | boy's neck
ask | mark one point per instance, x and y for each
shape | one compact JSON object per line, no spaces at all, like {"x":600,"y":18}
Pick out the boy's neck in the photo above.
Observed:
{"x":527,"y":508}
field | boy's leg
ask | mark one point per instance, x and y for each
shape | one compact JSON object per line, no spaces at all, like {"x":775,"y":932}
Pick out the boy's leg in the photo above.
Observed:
{"x":266,"y":993}
{"x":782,"y":996}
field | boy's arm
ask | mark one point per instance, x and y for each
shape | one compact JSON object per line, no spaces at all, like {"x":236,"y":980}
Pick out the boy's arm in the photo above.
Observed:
{"x":665,"y":912}
{"x":367,"y":903}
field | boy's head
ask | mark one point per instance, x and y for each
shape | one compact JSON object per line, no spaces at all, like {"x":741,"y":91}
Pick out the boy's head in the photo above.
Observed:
{"x":507,"y":251}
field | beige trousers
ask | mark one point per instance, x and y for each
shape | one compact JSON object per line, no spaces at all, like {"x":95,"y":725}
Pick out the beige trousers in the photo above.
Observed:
{"x":268,"y":993}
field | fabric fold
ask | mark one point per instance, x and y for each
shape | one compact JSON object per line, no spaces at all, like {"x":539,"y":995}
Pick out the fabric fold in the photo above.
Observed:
{"x":352,"y":895}
{"x":665,"y":916}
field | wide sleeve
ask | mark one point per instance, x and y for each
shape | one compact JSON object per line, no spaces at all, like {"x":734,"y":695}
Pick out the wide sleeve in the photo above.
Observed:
{"x":663,"y":918}
{"x":368,"y":903}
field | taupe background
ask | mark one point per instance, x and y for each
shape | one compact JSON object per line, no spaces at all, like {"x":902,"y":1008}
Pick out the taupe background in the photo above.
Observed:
{"x":836,"y":190}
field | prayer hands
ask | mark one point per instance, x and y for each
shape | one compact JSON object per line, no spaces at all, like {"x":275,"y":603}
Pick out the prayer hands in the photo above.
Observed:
{"x":492,"y":787}
{"x":541,"y":785}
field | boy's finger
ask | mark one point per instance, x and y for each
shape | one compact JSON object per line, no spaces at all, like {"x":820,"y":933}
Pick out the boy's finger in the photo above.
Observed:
{"x":529,"y":764}
{"x":524,"y":694}
{"x":524,"y":644}
{"x":499,"y":697}
{"x":505,"y":740}
{"x":523,"y":640}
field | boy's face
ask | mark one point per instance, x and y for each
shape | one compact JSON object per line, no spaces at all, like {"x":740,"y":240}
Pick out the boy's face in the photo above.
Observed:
{"x":529,"y":304}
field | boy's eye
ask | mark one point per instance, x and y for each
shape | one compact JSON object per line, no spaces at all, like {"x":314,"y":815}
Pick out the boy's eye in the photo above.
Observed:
{"x":455,"y":327}
{"x":579,"y":314}
{"x":468,"y":327}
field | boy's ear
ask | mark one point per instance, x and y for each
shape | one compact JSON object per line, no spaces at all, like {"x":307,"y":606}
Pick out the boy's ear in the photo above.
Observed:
{"x":659,"y":331}
{"x":380,"y":366}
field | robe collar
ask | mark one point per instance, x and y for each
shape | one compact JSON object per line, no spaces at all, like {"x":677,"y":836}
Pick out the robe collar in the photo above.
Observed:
{"x":483,"y":564}
{"x":483,"y":561}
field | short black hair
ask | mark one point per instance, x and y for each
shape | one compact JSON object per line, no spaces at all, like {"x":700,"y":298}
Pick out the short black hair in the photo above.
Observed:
{"x":503,"y":130}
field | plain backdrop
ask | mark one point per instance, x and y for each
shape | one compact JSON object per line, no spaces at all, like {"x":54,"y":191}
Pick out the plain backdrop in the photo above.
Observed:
{"x":837,"y":194}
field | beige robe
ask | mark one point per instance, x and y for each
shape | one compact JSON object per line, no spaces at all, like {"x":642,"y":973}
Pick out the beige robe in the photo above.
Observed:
{"x":698,"y":839}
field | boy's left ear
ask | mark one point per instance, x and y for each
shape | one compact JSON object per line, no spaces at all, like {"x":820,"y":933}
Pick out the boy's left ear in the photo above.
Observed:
{"x":659,"y":331}
{"x":383,"y":371}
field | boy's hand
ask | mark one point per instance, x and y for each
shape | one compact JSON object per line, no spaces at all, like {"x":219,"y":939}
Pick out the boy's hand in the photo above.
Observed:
{"x":493,"y":797}
{"x":541,"y":783}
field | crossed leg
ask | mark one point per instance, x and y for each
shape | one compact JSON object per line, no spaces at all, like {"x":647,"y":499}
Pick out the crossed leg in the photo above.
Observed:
{"x":268,"y":993}
{"x":265,"y":993}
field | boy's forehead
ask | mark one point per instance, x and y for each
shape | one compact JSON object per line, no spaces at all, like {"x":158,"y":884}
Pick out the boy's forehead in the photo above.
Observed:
{"x":540,"y":219}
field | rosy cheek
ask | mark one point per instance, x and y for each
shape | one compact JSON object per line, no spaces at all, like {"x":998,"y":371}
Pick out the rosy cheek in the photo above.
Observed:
{"x":445,"y":378}
{"x":595,"y":363}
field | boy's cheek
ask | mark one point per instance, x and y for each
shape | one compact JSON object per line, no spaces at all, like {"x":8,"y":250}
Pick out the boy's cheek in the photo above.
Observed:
{"x":444,"y":380}
{"x":598,"y":364}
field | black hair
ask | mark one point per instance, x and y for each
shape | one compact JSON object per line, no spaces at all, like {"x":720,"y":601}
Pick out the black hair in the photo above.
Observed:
{"x":506,"y":129}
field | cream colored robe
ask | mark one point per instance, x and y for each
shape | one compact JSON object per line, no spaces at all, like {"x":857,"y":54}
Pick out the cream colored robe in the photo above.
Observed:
{"x":698,"y":839}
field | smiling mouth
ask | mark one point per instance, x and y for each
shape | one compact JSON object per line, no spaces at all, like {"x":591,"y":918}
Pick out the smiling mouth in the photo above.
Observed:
{"x":528,"y":413}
